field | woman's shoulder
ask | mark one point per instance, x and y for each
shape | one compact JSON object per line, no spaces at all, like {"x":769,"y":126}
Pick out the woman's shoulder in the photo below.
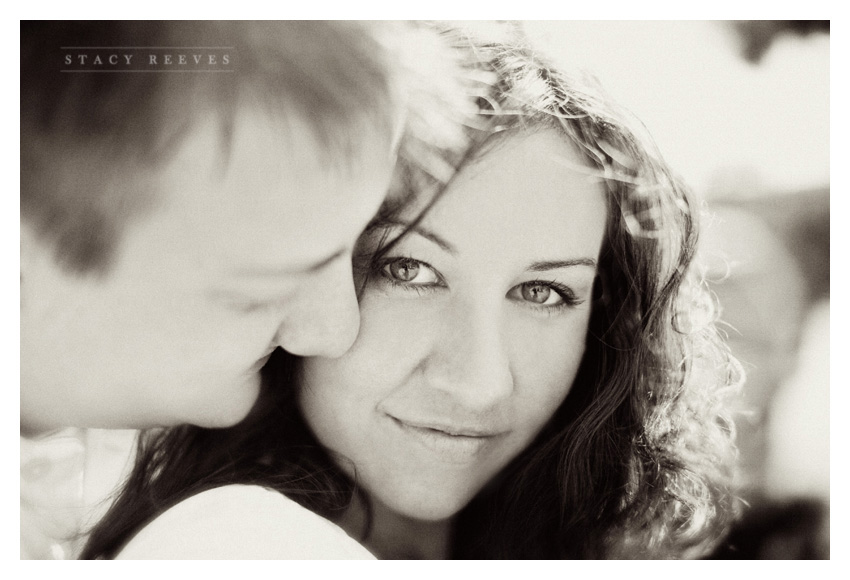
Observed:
{"x":241,"y":522}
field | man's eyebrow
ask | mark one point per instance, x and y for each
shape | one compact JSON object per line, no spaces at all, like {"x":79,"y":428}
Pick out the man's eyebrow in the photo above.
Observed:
{"x":271,"y":272}
{"x":417,"y":228}
{"x":547,"y":265}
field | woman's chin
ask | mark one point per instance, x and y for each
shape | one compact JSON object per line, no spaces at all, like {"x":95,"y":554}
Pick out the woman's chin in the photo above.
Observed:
{"x":428,"y":508}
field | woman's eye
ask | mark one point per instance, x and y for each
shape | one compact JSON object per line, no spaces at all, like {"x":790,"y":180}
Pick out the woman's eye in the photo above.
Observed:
{"x":540,"y":294}
{"x":548,"y":295}
{"x":404,"y":270}
{"x":249,"y":306}
{"x":411,"y":272}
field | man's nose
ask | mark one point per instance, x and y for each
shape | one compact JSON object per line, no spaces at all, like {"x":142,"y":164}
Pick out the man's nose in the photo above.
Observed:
{"x":324,"y":318}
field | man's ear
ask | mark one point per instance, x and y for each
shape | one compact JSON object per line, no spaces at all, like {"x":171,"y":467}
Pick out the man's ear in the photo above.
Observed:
{"x":31,"y":248}
{"x":35,"y":254}
{"x":27,"y":258}
{"x":26,"y":248}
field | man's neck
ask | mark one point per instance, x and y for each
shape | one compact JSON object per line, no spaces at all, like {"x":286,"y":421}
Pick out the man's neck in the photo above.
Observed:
{"x":30,"y":431}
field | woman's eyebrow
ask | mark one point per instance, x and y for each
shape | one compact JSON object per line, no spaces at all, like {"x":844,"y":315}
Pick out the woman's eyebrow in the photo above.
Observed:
{"x":557,"y":264}
{"x":418,"y":228}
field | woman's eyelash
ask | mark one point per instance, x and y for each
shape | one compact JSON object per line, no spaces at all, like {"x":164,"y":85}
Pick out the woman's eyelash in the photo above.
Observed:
{"x":379,"y":268}
{"x":381,"y":271}
{"x":568,"y":297}
{"x":563,"y":291}
{"x":249,"y":306}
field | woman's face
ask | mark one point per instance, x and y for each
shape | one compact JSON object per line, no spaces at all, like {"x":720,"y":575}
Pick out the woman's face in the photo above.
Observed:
{"x":472,"y":330}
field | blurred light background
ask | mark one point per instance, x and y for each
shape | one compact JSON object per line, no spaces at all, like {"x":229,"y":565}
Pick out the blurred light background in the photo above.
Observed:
{"x":728,"y":124}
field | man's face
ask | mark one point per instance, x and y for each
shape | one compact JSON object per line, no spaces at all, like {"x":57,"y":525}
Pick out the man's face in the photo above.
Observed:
{"x":246,"y":251}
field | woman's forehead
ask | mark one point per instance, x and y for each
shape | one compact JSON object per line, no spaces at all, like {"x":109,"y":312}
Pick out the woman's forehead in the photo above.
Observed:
{"x":531,"y":188}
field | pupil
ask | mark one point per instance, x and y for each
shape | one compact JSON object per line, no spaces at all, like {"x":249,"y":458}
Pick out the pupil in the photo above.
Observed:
{"x":536,"y":293}
{"x":405,"y":270}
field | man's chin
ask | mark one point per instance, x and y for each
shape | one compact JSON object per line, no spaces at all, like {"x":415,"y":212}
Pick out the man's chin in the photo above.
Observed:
{"x":231,"y":409}
{"x":211,"y":407}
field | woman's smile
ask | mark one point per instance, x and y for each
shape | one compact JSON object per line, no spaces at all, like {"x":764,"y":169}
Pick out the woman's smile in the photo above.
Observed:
{"x":447,"y":442}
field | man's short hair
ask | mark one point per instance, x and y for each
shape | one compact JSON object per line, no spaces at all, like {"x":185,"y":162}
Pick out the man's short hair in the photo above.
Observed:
{"x":91,"y":143}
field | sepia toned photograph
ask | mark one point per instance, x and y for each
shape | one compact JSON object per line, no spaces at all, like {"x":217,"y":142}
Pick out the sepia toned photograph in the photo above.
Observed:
{"x":425,"y":290}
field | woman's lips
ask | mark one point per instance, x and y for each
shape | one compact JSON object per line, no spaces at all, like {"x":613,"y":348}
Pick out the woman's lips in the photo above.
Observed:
{"x":450,"y":443}
{"x":447,"y":428}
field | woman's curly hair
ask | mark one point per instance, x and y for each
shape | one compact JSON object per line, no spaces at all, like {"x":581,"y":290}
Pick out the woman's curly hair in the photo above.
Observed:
{"x":638,"y":462}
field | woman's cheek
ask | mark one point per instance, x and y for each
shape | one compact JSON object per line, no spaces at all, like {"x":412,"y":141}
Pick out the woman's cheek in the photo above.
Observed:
{"x":545,"y":357}
{"x":395,"y":330}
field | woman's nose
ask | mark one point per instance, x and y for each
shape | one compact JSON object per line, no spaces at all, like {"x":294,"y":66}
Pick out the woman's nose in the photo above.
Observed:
{"x":469,"y":359}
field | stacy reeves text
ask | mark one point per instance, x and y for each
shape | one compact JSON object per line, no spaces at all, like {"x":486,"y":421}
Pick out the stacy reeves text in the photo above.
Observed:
{"x":147,"y":59}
